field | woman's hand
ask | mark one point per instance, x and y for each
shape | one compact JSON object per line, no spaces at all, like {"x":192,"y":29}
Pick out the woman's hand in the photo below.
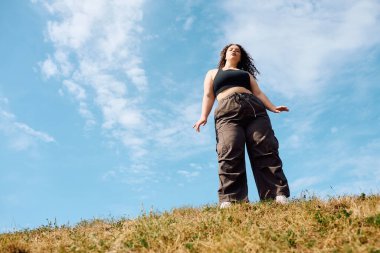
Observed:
{"x":281,"y":108}
{"x":200,"y":122}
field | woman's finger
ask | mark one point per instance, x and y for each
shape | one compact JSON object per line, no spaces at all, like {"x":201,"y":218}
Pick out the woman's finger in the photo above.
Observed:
{"x":196,"y":126}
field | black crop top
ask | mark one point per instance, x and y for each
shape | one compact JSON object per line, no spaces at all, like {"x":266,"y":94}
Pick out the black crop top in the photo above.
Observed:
{"x":225,"y":79}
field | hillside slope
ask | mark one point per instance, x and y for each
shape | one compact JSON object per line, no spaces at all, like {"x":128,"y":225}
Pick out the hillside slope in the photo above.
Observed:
{"x":343,"y":224}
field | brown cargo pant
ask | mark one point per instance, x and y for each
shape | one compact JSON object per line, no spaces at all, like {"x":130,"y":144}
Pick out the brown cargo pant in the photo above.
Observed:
{"x":241,"y":119}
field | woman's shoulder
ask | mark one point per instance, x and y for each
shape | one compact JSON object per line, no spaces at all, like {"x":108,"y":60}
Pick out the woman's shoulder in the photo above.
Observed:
{"x":212,"y":73}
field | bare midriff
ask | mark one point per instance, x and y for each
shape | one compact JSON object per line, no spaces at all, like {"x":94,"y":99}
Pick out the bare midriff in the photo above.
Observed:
{"x":232,"y":90}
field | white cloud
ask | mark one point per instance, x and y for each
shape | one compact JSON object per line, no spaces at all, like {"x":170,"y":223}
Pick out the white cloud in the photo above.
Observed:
{"x":97,"y":54}
{"x":304,"y":183}
{"x":188,"y":23}
{"x":62,"y":58}
{"x":343,"y":167}
{"x":194,"y":170}
{"x":49,"y":68}
{"x":173,"y":131}
{"x":20,"y":135}
{"x":77,"y":91}
{"x":302,"y":125}
{"x":96,"y":45}
{"x":188,"y":174}
{"x":362,"y":163}
{"x":298,"y":45}
{"x":138,"y":77}
{"x":33,"y":133}
{"x":77,"y":21}
{"x":135,"y":174}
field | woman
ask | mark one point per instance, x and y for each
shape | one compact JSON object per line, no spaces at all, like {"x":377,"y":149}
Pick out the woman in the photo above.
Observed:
{"x":241,"y":119}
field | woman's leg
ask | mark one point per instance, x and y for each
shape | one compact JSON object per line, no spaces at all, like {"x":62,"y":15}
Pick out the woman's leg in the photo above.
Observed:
{"x":231,"y":152}
{"x":262,"y":146}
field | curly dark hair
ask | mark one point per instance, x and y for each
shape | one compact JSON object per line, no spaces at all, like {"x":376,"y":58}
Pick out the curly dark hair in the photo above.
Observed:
{"x":245,"y":63}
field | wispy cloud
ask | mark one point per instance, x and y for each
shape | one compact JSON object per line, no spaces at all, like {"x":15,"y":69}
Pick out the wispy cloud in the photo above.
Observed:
{"x":135,"y":174}
{"x":80,"y":94}
{"x":96,"y":54}
{"x":174,"y":134}
{"x":20,"y":135}
{"x":342,"y":161}
{"x":97,"y":57}
{"x":188,"y":174}
{"x":298,"y":45}
{"x":49,"y":68}
{"x":194,"y":170}
{"x":305,"y":183}
{"x":361,"y":163}
{"x":33,"y":133}
{"x":188,"y":23}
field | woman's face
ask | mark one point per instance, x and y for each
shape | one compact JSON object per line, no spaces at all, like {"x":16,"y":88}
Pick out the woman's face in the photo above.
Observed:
{"x":233,"y":53}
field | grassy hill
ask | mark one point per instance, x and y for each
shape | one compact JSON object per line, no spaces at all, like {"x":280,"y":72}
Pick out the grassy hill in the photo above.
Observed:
{"x":342,"y":224}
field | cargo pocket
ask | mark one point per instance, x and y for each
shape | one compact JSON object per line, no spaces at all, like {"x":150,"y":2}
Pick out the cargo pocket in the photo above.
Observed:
{"x":221,"y":148}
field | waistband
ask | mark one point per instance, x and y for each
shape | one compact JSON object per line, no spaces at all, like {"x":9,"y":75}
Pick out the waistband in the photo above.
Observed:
{"x":236,"y":94}
{"x":243,"y":97}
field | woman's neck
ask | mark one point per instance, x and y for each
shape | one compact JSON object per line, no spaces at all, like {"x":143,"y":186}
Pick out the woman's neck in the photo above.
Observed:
{"x":230,"y":65}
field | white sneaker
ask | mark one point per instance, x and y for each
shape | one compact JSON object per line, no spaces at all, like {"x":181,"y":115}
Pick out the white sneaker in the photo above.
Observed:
{"x":225,"y":204}
{"x":281,"y":199}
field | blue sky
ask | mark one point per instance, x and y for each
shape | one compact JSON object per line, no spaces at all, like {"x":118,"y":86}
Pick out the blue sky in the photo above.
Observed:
{"x":98,"y":100}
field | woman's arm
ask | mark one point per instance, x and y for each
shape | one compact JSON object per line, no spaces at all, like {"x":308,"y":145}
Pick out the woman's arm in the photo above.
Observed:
{"x":261,"y":95}
{"x":207,"y":102}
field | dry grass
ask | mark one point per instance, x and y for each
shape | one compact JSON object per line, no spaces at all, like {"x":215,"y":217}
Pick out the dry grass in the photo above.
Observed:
{"x":343,"y":224}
